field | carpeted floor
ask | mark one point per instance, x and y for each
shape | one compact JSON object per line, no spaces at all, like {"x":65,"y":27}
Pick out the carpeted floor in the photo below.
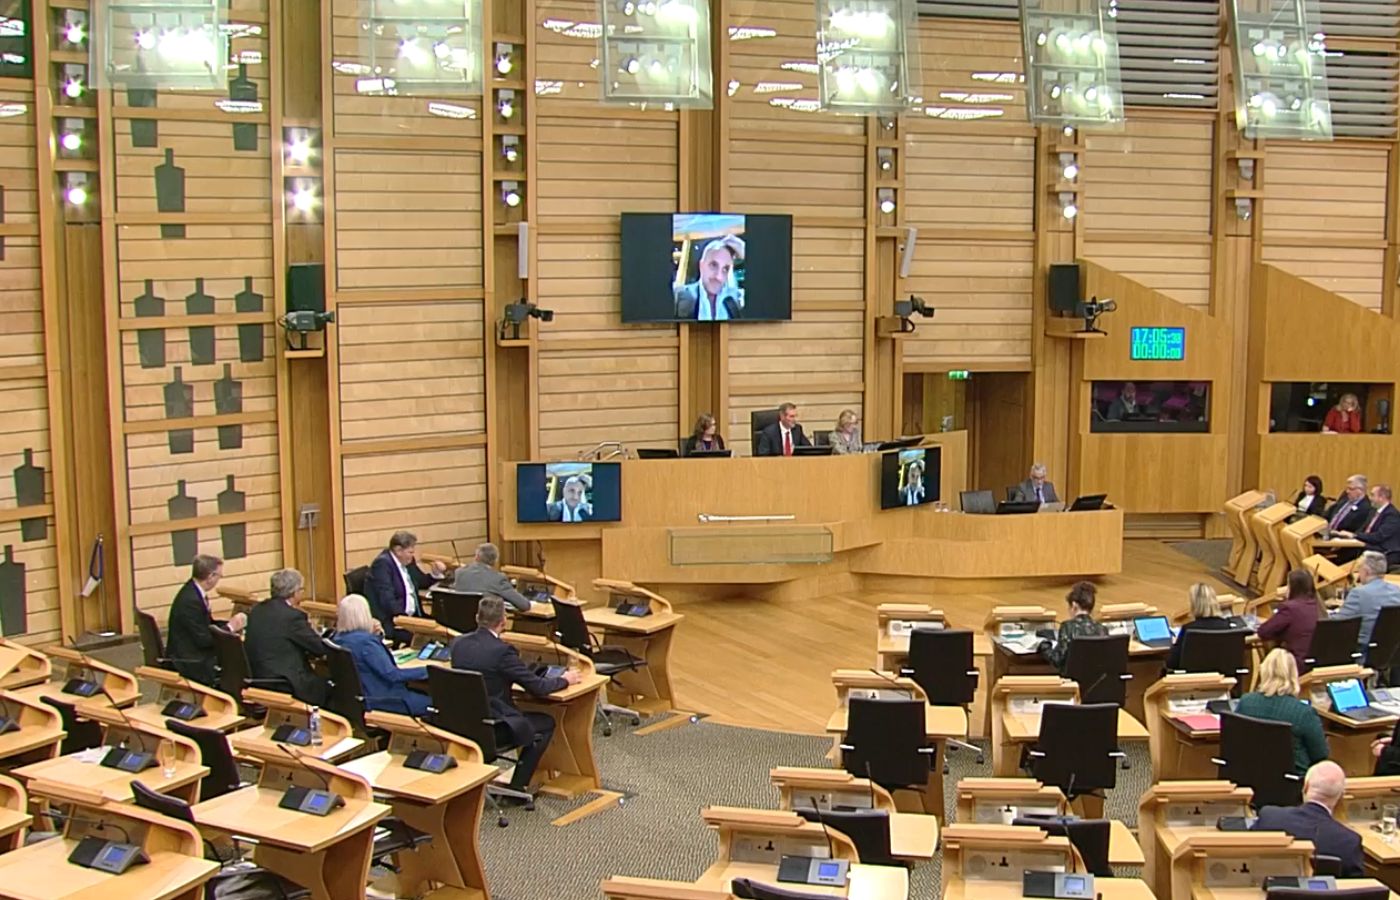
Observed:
{"x":1212,"y":554}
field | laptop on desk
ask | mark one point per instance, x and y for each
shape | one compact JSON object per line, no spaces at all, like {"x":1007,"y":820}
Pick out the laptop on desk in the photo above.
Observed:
{"x":1348,"y":696}
{"x":1153,"y":631}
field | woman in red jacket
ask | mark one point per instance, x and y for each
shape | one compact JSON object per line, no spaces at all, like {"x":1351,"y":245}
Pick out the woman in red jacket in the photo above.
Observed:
{"x":1344,"y":418}
{"x":1295,"y":619}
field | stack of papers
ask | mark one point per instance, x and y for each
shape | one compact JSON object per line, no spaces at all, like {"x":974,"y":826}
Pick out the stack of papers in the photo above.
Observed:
{"x":1021,"y":646}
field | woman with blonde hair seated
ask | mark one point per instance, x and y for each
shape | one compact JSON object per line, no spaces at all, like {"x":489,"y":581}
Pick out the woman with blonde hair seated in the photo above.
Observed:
{"x":1276,"y":699}
{"x":385,"y":685}
{"x":846,"y":437}
{"x":1344,"y":418}
{"x":1205,"y":616}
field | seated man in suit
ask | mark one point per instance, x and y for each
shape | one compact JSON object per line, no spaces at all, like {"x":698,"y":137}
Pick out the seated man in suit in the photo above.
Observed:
{"x":1351,"y":512}
{"x":573,"y":504}
{"x":280,"y":641}
{"x":1323,"y":787}
{"x":482,"y":577}
{"x":1371,"y":594}
{"x":1036,"y":488}
{"x":780,"y":438}
{"x":1382,"y":531}
{"x":394,"y":582}
{"x":500,"y":666}
{"x":1125,"y":405}
{"x":714,"y":296}
{"x":188,"y":644}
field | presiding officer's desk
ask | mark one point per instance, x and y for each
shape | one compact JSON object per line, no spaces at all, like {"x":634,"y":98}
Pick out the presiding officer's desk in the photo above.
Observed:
{"x":120,"y":686}
{"x":219,"y":710}
{"x":753,"y":841}
{"x":40,"y":731}
{"x":328,"y":854}
{"x":1348,"y":740}
{"x":1360,"y":810}
{"x":446,"y":806}
{"x":999,"y":801}
{"x":648,"y":689}
{"x":1018,"y":702}
{"x":337,"y":738}
{"x":913,"y":836}
{"x":177,"y":869}
{"x":21,"y":666}
{"x":81,"y":769}
{"x":1181,"y":744}
{"x":1172,"y":811}
{"x":940,"y":723}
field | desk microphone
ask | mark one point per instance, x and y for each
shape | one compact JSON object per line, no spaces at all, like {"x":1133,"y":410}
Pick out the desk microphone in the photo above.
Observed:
{"x":83,"y":687}
{"x":309,"y":800}
{"x":457,"y":554}
{"x":908,"y":692}
{"x":106,"y":856}
{"x":120,"y":757}
{"x":182,"y":710}
{"x":423,"y":760}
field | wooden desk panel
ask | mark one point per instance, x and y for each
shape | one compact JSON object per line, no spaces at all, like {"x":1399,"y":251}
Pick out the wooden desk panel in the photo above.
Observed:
{"x":863,"y":882}
{"x":42,"y":872}
{"x":114,"y":784}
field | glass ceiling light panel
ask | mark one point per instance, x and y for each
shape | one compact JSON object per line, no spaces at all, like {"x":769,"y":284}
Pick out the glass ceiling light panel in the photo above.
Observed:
{"x":161,"y":44}
{"x":1072,"y":74}
{"x":422,"y":47}
{"x":866,"y":50}
{"x":1280,"y":53}
{"x":656,"y":53}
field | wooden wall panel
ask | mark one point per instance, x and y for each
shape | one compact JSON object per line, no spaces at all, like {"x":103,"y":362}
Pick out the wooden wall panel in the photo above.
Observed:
{"x":439,"y":495}
{"x":1324,"y":215}
{"x":218,"y":178}
{"x":982,"y":292}
{"x":1146,"y":203}
{"x":596,"y":168}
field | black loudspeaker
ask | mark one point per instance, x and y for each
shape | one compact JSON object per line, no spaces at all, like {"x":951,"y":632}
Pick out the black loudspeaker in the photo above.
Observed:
{"x":306,"y":287}
{"x":1064,"y":289}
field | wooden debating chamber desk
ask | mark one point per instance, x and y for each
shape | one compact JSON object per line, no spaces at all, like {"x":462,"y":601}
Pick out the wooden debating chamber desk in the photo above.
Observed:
{"x":120,"y":686}
{"x":21,"y":666}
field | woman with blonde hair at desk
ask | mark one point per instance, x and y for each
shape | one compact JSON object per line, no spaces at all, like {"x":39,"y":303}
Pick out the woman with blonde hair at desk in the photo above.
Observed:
{"x":1344,"y":418}
{"x":1276,"y":699}
{"x":846,"y":437}
{"x":385,"y":685}
{"x":1205,"y":616}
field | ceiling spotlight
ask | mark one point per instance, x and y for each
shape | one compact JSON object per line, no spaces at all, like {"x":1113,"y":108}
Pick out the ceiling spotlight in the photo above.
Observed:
{"x":885,"y":157}
{"x":1069,"y":166}
{"x":304,"y":200}
{"x":1069,"y":132}
{"x":77,"y":195}
{"x":505,"y":103}
{"x":73,"y":88}
{"x":74,"y":33}
{"x":146,"y":40}
{"x":632,"y":65}
{"x":71,"y":141}
{"x":887,"y":205}
{"x":299,"y":151}
{"x":510,"y":194}
{"x":510,"y":148}
{"x":505,"y":59}
{"x":627,"y":7}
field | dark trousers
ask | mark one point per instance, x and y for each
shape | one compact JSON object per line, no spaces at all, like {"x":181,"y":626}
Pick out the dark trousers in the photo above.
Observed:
{"x":543,"y":726}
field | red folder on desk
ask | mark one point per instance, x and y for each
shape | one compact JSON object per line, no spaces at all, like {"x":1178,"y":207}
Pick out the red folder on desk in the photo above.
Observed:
{"x":1200,"y":721}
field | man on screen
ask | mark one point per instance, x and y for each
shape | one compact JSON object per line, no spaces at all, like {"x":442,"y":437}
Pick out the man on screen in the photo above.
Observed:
{"x":913,"y":493}
{"x":714,"y":297}
{"x":573,"y":505}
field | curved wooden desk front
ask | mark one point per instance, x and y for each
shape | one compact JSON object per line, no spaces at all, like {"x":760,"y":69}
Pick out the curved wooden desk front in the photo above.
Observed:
{"x":836,"y":527}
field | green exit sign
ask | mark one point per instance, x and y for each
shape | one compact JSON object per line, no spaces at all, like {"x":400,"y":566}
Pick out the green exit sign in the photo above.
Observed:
{"x":959,"y":375}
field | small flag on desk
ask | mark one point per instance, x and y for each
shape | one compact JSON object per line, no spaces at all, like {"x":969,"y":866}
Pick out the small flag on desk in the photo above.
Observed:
{"x":96,"y":564}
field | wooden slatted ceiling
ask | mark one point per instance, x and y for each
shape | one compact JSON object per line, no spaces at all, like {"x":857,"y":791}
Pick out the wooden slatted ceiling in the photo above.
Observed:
{"x":223,"y":259}
{"x":1150,"y":181}
{"x":24,"y":400}
{"x":1324,"y":216}
{"x":439,"y":495}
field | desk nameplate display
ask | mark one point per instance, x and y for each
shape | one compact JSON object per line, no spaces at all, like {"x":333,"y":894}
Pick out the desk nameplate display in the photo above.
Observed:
{"x":725,"y":545}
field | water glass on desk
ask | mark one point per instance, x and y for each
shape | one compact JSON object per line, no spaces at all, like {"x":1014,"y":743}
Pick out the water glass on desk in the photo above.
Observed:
{"x":1388,"y":821}
{"x":166,"y":754}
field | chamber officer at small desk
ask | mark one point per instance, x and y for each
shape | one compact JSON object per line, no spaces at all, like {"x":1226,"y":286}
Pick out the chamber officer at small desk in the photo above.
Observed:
{"x":482,"y":577}
{"x":500,"y":666}
{"x":394,"y":582}
{"x":1036,"y":488}
{"x":780,"y":438}
{"x":188,"y":642}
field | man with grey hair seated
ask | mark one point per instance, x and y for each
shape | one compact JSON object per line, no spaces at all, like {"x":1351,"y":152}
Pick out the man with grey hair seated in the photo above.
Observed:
{"x":482,"y":577}
{"x":1351,"y":512}
{"x":1371,"y":594}
{"x":1323,"y":788}
{"x":1036,"y":488}
{"x":279,"y":641}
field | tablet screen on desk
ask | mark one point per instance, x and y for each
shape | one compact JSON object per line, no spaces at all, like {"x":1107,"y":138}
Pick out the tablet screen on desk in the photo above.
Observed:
{"x":1152,"y":628}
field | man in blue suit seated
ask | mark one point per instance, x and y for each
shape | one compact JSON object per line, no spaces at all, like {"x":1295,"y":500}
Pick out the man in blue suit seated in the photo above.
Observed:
{"x":500,"y":666}
{"x":394,"y":582}
{"x":1323,"y":787}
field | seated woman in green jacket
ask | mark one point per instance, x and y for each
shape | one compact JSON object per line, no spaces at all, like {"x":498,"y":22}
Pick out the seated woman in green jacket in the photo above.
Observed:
{"x":1277,"y":699}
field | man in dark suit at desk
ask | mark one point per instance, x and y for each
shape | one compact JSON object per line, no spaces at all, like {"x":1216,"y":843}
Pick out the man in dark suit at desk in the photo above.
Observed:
{"x":500,"y":666}
{"x":1323,"y":787}
{"x":1036,"y":488}
{"x":280,"y":641}
{"x":482,"y":577}
{"x":1382,"y":531}
{"x":1351,"y":512}
{"x":783,"y":436}
{"x":187,"y":643}
{"x":394,"y":582}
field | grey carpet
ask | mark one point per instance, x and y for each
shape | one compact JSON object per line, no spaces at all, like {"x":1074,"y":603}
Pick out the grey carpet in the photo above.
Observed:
{"x":1212,"y":554}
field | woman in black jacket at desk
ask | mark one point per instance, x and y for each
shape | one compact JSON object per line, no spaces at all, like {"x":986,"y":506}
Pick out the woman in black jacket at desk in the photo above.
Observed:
{"x":705,"y":437}
{"x":1205,"y":616}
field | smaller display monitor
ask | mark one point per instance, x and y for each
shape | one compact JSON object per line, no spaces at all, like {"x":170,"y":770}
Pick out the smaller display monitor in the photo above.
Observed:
{"x":568,"y":492}
{"x":910,"y":477}
{"x":1156,"y":343}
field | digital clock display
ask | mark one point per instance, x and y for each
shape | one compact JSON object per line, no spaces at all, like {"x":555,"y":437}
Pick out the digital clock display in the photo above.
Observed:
{"x":1159,"y":343}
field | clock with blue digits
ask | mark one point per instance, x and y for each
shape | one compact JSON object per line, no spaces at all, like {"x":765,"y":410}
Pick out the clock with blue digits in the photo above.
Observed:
{"x":1159,"y":344}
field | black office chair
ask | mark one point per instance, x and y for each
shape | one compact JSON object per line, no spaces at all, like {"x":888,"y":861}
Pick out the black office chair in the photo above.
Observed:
{"x":462,"y":706}
{"x":251,"y":878}
{"x":748,"y":889}
{"x":234,"y":675}
{"x":79,"y":734}
{"x":1011,"y":491}
{"x":1334,"y":643}
{"x":1076,"y":749}
{"x":760,"y":419}
{"x":571,"y":630}
{"x":456,"y":609}
{"x":214,"y":754}
{"x":1383,"y":650}
{"x":1099,"y":663}
{"x":1258,"y":754}
{"x":355,"y":580}
{"x":979,"y":502}
{"x":152,"y":648}
{"x":1216,"y":651}
{"x":347,"y":694}
{"x":1089,"y":837}
{"x":885,"y":742}
{"x":1327,"y":865}
{"x":941,"y":662}
{"x":868,"y":829}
